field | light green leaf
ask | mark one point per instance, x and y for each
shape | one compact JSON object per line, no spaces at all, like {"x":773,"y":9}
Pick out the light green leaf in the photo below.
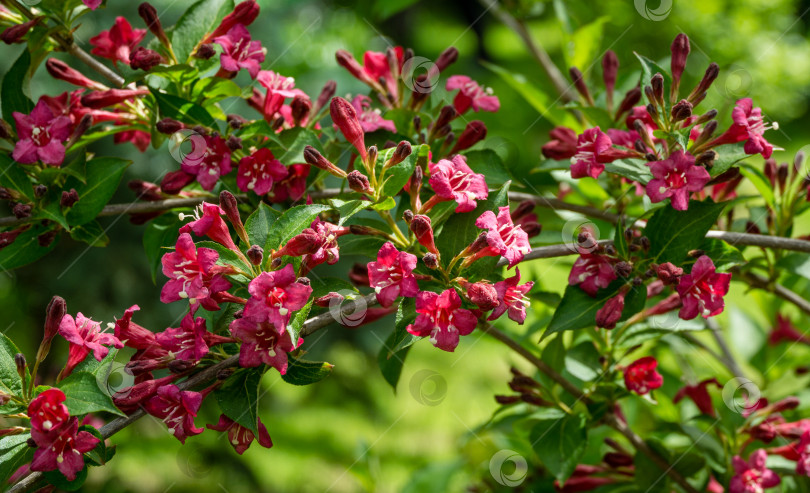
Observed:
{"x":199,"y":20}
{"x":84,"y":395}
{"x":302,"y":372}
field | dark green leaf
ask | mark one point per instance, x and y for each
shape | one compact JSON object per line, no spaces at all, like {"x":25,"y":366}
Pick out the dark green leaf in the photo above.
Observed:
{"x":103,"y":176}
{"x":632,"y":169}
{"x":91,"y":233}
{"x":298,"y":319}
{"x":213,"y":89}
{"x":673,"y":233}
{"x":727,"y":156}
{"x":226,"y":255}
{"x":238,"y":397}
{"x":302,"y":372}
{"x":258,"y":224}
{"x":183,"y":110}
{"x":397,"y":176}
{"x":26,"y":248}
{"x":294,"y":141}
{"x":392,"y":355}
{"x":723,"y":255}
{"x":13,"y":177}
{"x":560,"y":443}
{"x":59,"y":480}
{"x":10,"y":382}
{"x":291,"y":223}
{"x":14,"y":452}
{"x":84,"y":394}
{"x":14,"y":88}
{"x":488,"y":163}
{"x":348,"y":208}
{"x":796,"y":263}
{"x":577,"y":310}
{"x":200,"y":19}
{"x":650,"y":68}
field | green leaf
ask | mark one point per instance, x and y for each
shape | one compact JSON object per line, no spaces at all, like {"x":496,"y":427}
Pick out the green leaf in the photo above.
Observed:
{"x":26,"y":248}
{"x":53,"y":212}
{"x":160,"y":236}
{"x":14,"y":88}
{"x":291,"y":223}
{"x":488,"y":163}
{"x":302,"y":372}
{"x":199,"y":20}
{"x":560,"y":443}
{"x":650,"y":477}
{"x":619,"y":240}
{"x":226,"y":255}
{"x":633,"y":169}
{"x":761,"y":182}
{"x":367,"y":246}
{"x":577,"y":310}
{"x":59,"y":480}
{"x":259,"y":222}
{"x":348,"y":208}
{"x":14,"y":452}
{"x":673,"y":233}
{"x":385,"y":205}
{"x":85,"y":395}
{"x":723,"y":255}
{"x":103,"y":176}
{"x":648,"y":69}
{"x":398,"y":175}
{"x":10,"y":382}
{"x":238,"y":397}
{"x":586,"y":44}
{"x":293,"y":142}
{"x":13,"y":177}
{"x":795,"y":263}
{"x":298,"y":319}
{"x":535,"y":97}
{"x":91,"y":233}
{"x":392,"y":354}
{"x":211,"y":90}
{"x":727,"y":156}
{"x":183,"y":110}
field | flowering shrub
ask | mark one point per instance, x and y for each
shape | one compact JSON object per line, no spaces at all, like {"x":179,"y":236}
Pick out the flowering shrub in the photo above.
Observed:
{"x":257,"y":201}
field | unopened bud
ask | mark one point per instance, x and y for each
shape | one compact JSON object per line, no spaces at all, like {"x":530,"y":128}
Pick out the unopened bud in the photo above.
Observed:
{"x":255,"y":254}
{"x":180,"y":366}
{"x":326,"y":94}
{"x":305,"y":281}
{"x":144,"y":59}
{"x":359,"y":182}
{"x":657,"y":83}
{"x":152,"y":20}
{"x":168,"y":126}
{"x":326,"y":300}
{"x":54,"y":313}
{"x":69,"y":198}
{"x":359,"y":229}
{"x":300,"y":108}
{"x":483,"y":295}
{"x":234,"y":143}
{"x":20,"y":362}
{"x":101,"y":99}
{"x":474,"y":132}
{"x":706,"y":158}
{"x":579,"y":83}
{"x":15,"y":34}
{"x":205,"y":51}
{"x":632,"y":98}
{"x":680,"y":50}
{"x":402,"y":151}
{"x":235,"y":121}
{"x":446,"y":58}
{"x":40,"y":191}
{"x":681,"y":110}
{"x":507,"y":399}
{"x":623,"y":269}
{"x":446,"y":115}
{"x":422,"y":229}
{"x":315,"y":158}
{"x":45,"y":239}
{"x":345,"y":118}
{"x":431,"y":261}
{"x":21,"y":211}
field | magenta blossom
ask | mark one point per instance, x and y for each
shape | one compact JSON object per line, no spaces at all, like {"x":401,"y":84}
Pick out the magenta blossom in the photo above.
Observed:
{"x":454,"y":180}
{"x":263,"y":343}
{"x":370,"y":119}
{"x":699,"y":394}
{"x":391,"y":275}
{"x":41,"y":136}
{"x":92,"y":4}
{"x":177,"y":408}
{"x":259,"y":171}
{"x":641,"y":377}
{"x":278,"y":88}
{"x":752,"y":476}
{"x":293,"y":186}
{"x":675,"y":178}
{"x":210,"y":163}
{"x":240,"y":437}
{"x":186,"y":342}
{"x":748,"y":126}
{"x":512,"y":298}
{"x":803,"y":448}
{"x":327,"y":250}
{"x":471,"y":95}
{"x":504,"y":237}
{"x":240,"y":52}
{"x":62,"y":448}
{"x":441,"y":317}
{"x":48,"y":411}
{"x":192,"y":274}
{"x":274,"y":296}
{"x":592,"y":144}
{"x":85,"y":337}
{"x":208,"y":222}
{"x":702,"y":290}
{"x":592,"y":272}
{"x":117,"y":43}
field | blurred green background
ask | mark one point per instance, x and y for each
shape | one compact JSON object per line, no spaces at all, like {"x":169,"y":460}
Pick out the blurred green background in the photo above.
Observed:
{"x":351,"y":432}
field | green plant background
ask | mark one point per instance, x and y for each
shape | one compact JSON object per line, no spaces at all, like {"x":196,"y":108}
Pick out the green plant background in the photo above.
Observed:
{"x":350,"y":432}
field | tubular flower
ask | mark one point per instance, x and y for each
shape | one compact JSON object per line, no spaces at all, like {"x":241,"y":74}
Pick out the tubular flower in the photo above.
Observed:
{"x":177,"y":408}
{"x":748,"y":127}
{"x":752,"y":476}
{"x":512,"y":298}
{"x":263,"y":343}
{"x":592,"y":272}
{"x":676,"y":178}
{"x":41,"y":136}
{"x":85,"y":337}
{"x":441,"y":317}
{"x":192,"y":274}
{"x":274,"y":296}
{"x":62,"y":448}
{"x":699,"y":394}
{"x":240,"y":437}
{"x":259,"y":172}
{"x":186,"y":342}
{"x":702,"y":290}
{"x":471,"y":95}
{"x":640,"y":376}
{"x":370,"y":119}
{"x":504,"y":237}
{"x":454,"y":180}
{"x":391,"y":275}
{"x":210,"y":163}
{"x":117,"y":43}
{"x":210,"y":223}
{"x":240,"y":52}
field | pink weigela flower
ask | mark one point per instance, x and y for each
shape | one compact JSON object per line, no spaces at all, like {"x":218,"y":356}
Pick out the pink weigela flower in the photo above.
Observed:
{"x":62,"y":448}
{"x":699,"y":393}
{"x":441,"y":317}
{"x":454,"y":180}
{"x":208,"y":222}
{"x":293,"y":186}
{"x":240,"y":52}
{"x":259,"y":171}
{"x":640,"y":376}
{"x":186,"y":342}
{"x":391,"y":275}
{"x":504,"y":237}
{"x":676,"y":178}
{"x":370,"y":119}
{"x":278,"y":88}
{"x":48,"y":411}
{"x":192,"y":274}
{"x":592,"y":272}
{"x":177,"y":408}
{"x":702,"y":290}
{"x":41,"y":136}
{"x":117,"y":43}
{"x":592,"y":144}
{"x":274,"y":296}
{"x":240,"y":437}
{"x":263,"y":343}
{"x":752,"y":476}
{"x":471,"y":95}
{"x":84,"y":336}
{"x":210,"y":163}
{"x":512,"y":298}
{"x":748,"y":126}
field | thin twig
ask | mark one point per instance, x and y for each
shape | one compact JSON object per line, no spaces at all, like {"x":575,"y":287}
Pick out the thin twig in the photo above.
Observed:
{"x":777,"y":289}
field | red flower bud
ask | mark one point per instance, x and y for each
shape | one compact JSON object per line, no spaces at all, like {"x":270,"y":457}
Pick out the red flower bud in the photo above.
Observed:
{"x":130,"y":398}
{"x":101,"y":99}
{"x":14,"y":34}
{"x":205,"y":51}
{"x":304,"y":243}
{"x":325,"y":96}
{"x":326,"y":300}
{"x":610,"y":66}
{"x":244,"y":13}
{"x":611,"y":312}
{"x":680,"y":50}
{"x":21,"y":211}
{"x":315,"y":158}
{"x":62,"y":71}
{"x":169,"y":126}
{"x":668,"y":273}
{"x":402,"y":151}
{"x":347,"y":61}
{"x":345,"y":118}
{"x":145,"y":190}
{"x":144,"y":59}
{"x":579,"y":83}
{"x":474,"y":132}
{"x":359,"y":182}
{"x":300,"y":108}
{"x":69,"y":198}
{"x":174,"y":181}
{"x":152,"y":20}
{"x":632,"y":98}
{"x":447,"y":58}
{"x":422,"y":229}
{"x":255,"y":254}
{"x":483,"y":295}
{"x":8,"y":237}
